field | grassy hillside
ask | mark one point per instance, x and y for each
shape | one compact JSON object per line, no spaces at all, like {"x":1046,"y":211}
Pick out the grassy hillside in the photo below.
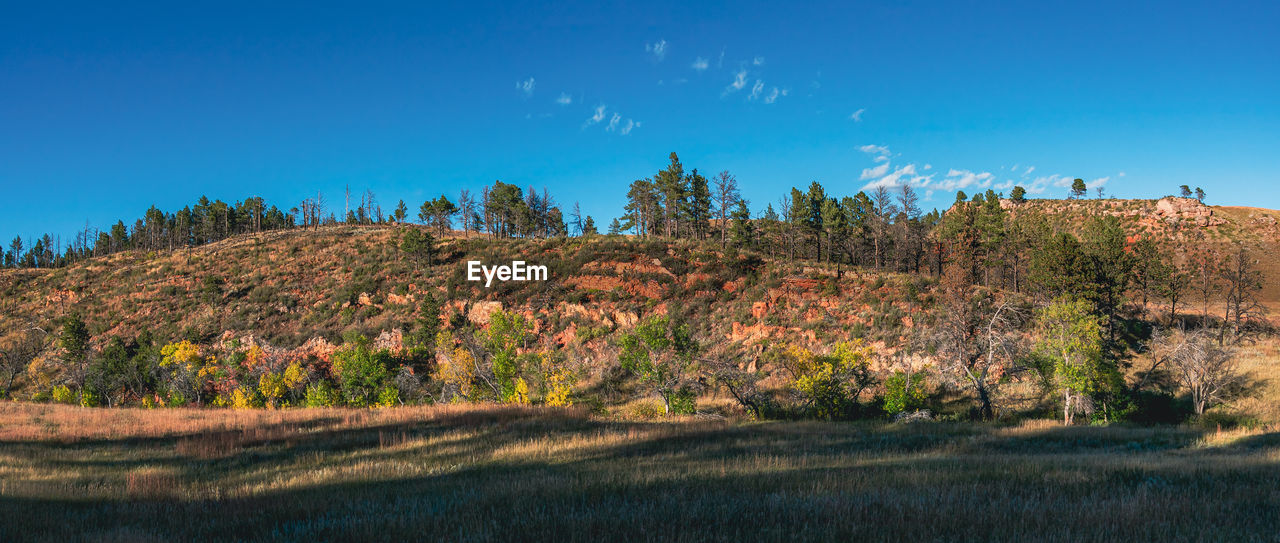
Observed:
{"x":286,"y":288}
{"x":525,"y":474}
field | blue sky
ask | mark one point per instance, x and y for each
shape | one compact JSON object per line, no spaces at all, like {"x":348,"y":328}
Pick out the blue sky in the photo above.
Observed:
{"x":107,"y":110}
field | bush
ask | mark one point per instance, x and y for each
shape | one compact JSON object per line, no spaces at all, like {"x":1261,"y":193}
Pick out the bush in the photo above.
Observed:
{"x":903,"y":392}
{"x":321,"y":395}
{"x":63,"y":394}
{"x":362,"y":374}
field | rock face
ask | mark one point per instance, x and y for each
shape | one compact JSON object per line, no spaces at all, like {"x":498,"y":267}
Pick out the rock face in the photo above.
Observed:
{"x":482,"y":311}
{"x":1173,"y":208}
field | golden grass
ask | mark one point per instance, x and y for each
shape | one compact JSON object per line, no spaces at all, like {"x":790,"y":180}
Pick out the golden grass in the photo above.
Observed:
{"x":511,"y":473}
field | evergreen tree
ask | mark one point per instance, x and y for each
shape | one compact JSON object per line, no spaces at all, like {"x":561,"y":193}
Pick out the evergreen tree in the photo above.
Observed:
{"x":1078,"y":188}
{"x":401,"y":212}
{"x":699,"y":205}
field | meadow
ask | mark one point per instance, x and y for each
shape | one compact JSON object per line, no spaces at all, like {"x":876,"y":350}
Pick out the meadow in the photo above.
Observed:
{"x":474,"y":473}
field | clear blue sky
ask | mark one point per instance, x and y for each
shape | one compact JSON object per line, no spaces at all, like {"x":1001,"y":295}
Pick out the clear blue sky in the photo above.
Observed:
{"x":105,"y":110}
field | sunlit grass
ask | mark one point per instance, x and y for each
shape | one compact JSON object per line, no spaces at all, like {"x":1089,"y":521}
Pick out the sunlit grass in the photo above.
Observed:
{"x":503,"y":473}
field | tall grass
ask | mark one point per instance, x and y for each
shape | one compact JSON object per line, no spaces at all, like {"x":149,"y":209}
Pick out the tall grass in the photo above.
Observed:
{"x":504,"y":473}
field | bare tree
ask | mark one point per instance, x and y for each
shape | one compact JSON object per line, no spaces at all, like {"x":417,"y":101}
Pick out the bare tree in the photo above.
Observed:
{"x":16,"y":354}
{"x":1243,"y":283}
{"x":977,"y":341}
{"x":726,"y":196}
{"x":1206,"y":368}
{"x":467,"y":206}
{"x":575,"y":218}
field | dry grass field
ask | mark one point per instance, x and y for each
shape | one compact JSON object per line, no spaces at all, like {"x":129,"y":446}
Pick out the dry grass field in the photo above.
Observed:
{"x":503,"y":473}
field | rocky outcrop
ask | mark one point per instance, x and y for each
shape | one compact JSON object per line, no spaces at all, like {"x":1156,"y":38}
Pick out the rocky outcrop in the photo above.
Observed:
{"x":481,"y":312}
{"x":1174,"y":209}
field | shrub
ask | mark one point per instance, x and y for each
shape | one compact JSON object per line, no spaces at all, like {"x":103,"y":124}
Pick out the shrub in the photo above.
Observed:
{"x":829,"y":385}
{"x":63,"y":394}
{"x":903,"y":392}
{"x":321,"y":394}
{"x":362,"y":373}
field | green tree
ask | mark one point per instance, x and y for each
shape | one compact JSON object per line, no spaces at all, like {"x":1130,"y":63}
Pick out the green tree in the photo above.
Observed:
{"x":401,"y":212}
{"x":673,"y":186}
{"x":422,"y":339}
{"x":1078,"y":188}
{"x":1018,"y":195}
{"x":1184,"y":191}
{"x":699,"y":205}
{"x":1071,"y":336}
{"x":1200,"y":194}
{"x":661,"y":354}
{"x":506,"y":334}
{"x":589,"y":227}
{"x":419,"y":245}
{"x":362,"y":372}
{"x":74,"y":341}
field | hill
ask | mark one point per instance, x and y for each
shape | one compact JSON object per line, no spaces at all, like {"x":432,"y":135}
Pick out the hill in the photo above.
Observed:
{"x":300,"y":294}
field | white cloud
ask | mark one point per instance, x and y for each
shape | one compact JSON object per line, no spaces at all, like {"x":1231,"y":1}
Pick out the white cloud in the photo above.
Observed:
{"x":1121,"y":174}
{"x":928,"y":166}
{"x":525,"y":86}
{"x":564,"y":99}
{"x":596,"y":117}
{"x":1098,"y":182}
{"x":758,"y":61}
{"x":905,"y":175}
{"x":878,"y":171}
{"x":857,"y":115}
{"x":774,"y":94}
{"x":875,"y":150}
{"x":700,"y":64}
{"x":1042,"y":183}
{"x":617,"y":123}
{"x":658,"y":50}
{"x":1028,"y":171}
{"x":739,"y":81}
{"x":963,"y":179}
{"x":755,"y":90}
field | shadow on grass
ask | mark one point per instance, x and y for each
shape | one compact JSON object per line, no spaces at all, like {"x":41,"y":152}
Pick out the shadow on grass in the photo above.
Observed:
{"x":649,"y":481}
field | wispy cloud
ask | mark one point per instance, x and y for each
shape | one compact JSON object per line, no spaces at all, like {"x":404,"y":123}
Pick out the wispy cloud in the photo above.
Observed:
{"x":526,"y":86}
{"x":701,"y":64}
{"x":774,"y":94}
{"x":658,"y":50}
{"x":595,"y":117}
{"x":756,"y":89}
{"x":857,"y":115}
{"x":564,"y":99}
{"x":617,"y":123}
{"x":739,"y":81}
{"x":963,"y":179}
{"x":871,"y":149}
{"x":876,"y":172}
{"x":758,"y":61}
